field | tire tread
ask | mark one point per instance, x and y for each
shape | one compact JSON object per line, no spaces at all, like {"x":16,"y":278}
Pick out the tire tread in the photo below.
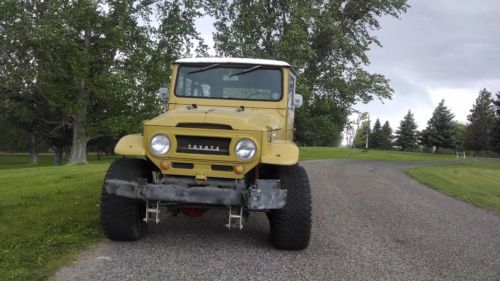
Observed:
{"x":120,"y":217}
{"x":291,"y":225}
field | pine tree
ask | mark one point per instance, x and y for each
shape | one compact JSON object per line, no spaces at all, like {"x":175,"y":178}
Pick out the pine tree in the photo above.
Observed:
{"x":386,"y":141}
{"x":441,"y":128}
{"x":406,"y":135}
{"x":376,"y":136}
{"x":495,"y":134}
{"x":482,"y":120}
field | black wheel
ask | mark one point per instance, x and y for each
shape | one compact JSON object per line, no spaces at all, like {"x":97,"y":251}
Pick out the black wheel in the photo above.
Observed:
{"x":291,"y":225}
{"x":121,"y":218}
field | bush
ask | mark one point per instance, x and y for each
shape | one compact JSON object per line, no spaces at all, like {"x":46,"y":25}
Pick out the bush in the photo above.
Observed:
{"x":483,"y":153}
{"x":447,"y":151}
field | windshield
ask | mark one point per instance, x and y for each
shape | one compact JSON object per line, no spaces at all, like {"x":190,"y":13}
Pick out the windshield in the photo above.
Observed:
{"x":214,"y":81}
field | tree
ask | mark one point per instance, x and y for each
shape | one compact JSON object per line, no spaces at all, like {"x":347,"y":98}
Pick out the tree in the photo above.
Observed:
{"x":482,"y":120}
{"x":21,"y":102}
{"x":495,"y":134}
{"x":407,"y":135}
{"x":461,"y":134}
{"x":386,"y":140}
{"x":99,"y":63}
{"x":314,"y":127}
{"x":441,"y":128}
{"x":29,"y":112}
{"x":325,"y":40}
{"x":376,"y":136}
{"x":361,"y":133}
{"x":12,"y":138}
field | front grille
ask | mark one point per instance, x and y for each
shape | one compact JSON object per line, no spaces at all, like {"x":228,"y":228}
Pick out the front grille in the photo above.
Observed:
{"x":203,"y":145}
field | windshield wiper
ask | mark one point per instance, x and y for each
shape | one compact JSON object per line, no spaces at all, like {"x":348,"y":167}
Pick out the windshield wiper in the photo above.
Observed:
{"x":246,"y":71}
{"x":204,"y":68}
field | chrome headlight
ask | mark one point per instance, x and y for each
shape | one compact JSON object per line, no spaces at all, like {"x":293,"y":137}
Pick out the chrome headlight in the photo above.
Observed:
{"x":160,"y":144}
{"x":245,"y":149}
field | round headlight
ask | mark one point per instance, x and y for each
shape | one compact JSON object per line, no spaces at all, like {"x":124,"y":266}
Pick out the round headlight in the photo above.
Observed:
{"x":245,"y":149}
{"x":160,"y":144}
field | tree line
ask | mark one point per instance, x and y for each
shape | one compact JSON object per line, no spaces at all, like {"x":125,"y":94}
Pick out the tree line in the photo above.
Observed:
{"x":378,"y":137}
{"x":74,"y":72}
{"x":85,"y":72}
{"x":480,"y":134}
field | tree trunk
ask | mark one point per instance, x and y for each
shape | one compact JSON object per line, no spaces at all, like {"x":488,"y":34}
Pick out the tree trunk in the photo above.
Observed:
{"x":79,"y":146}
{"x":58,"y":154}
{"x":80,"y":138}
{"x":67,"y":152}
{"x":33,"y":150}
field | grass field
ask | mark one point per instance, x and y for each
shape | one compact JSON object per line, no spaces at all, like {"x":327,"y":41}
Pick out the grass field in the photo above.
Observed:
{"x":21,"y":160}
{"x":47,"y":215}
{"x":14,"y":161}
{"x":309,"y":153}
{"x":476,"y":183}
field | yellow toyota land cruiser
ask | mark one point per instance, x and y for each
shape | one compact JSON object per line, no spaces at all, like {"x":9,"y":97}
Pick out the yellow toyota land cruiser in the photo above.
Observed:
{"x":226,"y":141}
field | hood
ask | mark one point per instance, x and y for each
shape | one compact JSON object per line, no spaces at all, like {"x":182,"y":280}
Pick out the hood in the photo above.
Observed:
{"x":250,"y":120}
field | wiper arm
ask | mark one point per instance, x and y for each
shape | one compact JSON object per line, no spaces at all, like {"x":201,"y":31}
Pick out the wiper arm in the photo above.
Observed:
{"x":246,"y":71}
{"x":204,"y":68}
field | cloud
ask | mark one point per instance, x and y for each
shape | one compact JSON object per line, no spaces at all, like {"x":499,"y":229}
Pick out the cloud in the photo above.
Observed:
{"x":437,"y":50}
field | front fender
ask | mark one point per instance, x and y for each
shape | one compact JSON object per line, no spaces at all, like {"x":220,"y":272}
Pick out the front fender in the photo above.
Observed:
{"x":280,"y":153}
{"x":131,"y":145}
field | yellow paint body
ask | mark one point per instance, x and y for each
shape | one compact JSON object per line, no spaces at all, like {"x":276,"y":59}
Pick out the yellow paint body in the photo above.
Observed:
{"x":131,"y":145}
{"x":268,"y":123}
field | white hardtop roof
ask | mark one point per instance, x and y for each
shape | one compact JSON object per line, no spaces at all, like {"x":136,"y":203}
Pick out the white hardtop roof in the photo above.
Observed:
{"x":233,"y":60}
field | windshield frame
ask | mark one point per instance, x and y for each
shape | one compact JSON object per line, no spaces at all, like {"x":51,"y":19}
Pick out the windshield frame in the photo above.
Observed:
{"x":236,"y":66}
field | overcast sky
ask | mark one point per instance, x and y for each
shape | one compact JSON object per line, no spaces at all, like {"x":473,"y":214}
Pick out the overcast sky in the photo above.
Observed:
{"x":439,"y":49}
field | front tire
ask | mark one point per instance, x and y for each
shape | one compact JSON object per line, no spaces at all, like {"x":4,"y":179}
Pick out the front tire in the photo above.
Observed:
{"x":121,"y":218}
{"x":290,"y":226}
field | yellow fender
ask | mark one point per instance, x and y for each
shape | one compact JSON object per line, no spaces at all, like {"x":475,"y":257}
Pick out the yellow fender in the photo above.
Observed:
{"x":131,"y":145}
{"x":280,"y":153}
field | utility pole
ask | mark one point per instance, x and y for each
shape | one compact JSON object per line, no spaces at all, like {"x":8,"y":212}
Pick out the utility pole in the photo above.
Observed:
{"x":367,"y":133}
{"x":361,"y":118}
{"x":354,"y":135}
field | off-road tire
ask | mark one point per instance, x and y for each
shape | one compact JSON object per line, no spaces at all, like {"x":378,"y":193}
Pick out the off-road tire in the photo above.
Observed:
{"x":290,"y":226}
{"x":121,"y":218}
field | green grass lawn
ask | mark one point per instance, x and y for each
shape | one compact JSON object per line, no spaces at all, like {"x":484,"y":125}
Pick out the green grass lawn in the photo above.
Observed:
{"x":310,"y":153}
{"x":21,"y":160}
{"x":477,"y":183}
{"x":47,"y":215}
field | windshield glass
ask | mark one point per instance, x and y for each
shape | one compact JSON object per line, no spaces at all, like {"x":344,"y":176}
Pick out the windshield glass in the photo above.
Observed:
{"x":229,"y":82}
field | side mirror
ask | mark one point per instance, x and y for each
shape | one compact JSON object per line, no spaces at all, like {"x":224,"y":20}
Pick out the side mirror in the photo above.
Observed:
{"x":298,"y":100}
{"x":163,"y":93}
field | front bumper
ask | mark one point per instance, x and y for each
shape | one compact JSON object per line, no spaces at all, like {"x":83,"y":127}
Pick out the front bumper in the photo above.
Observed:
{"x":264,"y":195}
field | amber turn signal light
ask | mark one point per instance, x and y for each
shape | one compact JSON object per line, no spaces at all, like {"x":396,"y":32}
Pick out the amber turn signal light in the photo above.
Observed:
{"x":165,"y":165}
{"x":239,"y":169}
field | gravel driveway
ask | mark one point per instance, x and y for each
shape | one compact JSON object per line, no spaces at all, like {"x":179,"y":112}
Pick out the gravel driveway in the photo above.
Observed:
{"x":371,"y":222}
